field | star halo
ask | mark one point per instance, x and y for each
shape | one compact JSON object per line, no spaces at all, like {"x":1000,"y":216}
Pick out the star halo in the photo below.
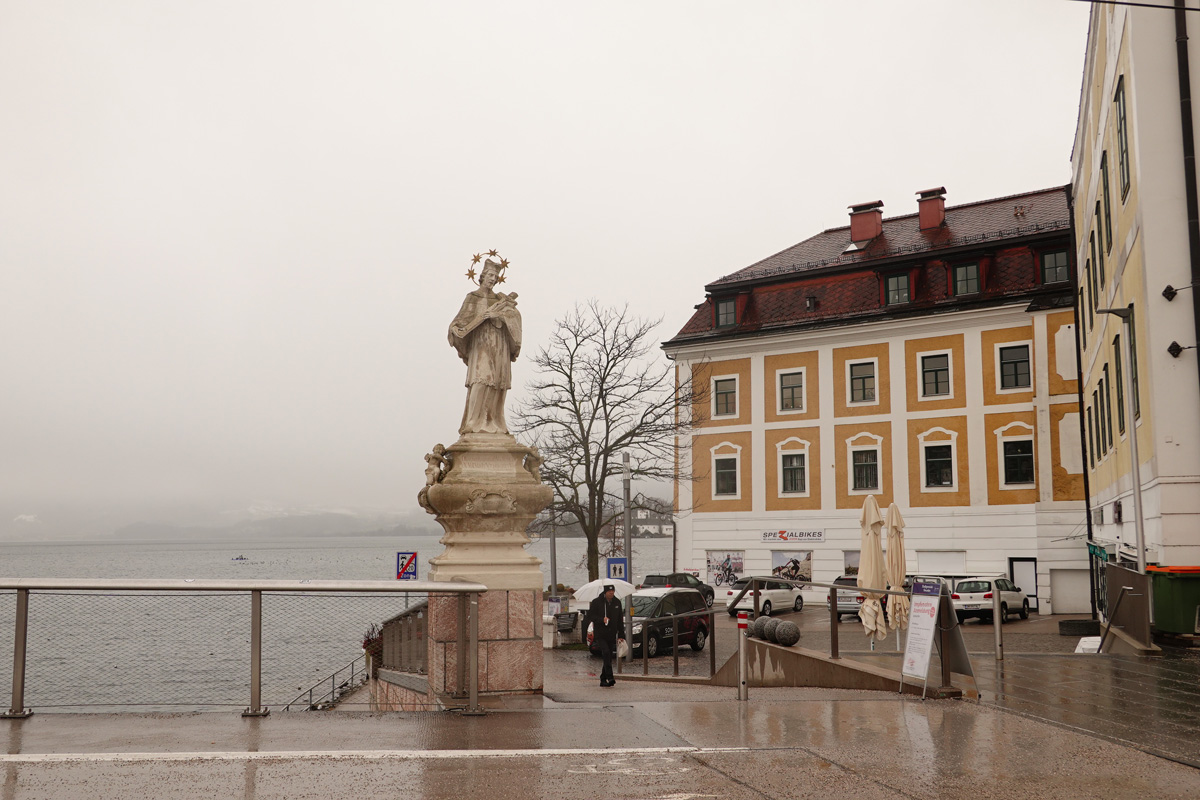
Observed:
{"x":475,"y":259}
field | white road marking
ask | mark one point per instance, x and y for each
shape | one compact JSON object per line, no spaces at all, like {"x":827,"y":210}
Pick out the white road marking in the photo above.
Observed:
{"x":351,"y":755}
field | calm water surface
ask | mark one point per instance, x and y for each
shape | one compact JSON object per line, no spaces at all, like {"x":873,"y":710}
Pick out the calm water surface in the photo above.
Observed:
{"x":96,"y":651}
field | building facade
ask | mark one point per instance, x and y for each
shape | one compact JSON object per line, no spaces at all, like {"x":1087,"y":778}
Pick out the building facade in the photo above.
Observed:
{"x":1131,"y":209}
{"x":928,"y":360}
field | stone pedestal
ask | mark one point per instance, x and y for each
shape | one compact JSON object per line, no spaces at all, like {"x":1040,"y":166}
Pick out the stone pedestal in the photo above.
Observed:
{"x":484,"y":503}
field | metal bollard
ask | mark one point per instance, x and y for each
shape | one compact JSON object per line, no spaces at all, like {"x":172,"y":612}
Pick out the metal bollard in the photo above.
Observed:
{"x":743,"y":686}
{"x":997,"y":622}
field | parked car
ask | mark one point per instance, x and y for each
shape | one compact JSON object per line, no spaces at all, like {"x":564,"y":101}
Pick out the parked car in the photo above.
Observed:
{"x":849,"y":599}
{"x":680,"y":580}
{"x":773,"y":594}
{"x":973,"y":597}
{"x":651,"y":607}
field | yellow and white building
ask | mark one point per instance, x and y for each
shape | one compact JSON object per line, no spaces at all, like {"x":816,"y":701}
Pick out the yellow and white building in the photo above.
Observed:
{"x":1131,"y":202}
{"x":926,"y":359}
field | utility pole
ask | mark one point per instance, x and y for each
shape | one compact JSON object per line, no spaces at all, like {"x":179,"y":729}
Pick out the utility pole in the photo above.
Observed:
{"x":628,"y":555}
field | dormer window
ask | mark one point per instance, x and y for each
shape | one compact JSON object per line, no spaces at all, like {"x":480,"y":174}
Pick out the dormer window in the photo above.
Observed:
{"x":897,"y":289}
{"x":726,"y":313}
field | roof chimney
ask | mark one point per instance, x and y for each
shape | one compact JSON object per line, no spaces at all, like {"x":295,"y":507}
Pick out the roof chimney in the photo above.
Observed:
{"x":932,"y":205}
{"x":866,"y":221}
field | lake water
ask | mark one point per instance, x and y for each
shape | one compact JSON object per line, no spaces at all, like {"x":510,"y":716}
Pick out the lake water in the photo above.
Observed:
{"x":98,"y":651}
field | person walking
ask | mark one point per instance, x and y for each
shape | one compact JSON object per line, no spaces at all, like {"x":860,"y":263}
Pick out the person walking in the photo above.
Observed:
{"x":607,"y":617}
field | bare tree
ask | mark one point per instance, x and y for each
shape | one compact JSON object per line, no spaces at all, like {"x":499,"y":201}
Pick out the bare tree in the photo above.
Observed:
{"x":602,"y":390}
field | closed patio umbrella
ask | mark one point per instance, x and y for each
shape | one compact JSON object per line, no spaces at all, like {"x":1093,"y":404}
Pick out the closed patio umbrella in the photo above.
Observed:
{"x":871,"y":570}
{"x":897,"y":566}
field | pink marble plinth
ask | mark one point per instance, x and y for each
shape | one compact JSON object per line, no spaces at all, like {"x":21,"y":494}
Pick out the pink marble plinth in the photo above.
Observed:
{"x":510,"y":655}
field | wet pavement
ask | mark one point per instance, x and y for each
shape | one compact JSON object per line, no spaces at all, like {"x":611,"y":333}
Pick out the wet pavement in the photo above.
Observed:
{"x":1048,"y":722}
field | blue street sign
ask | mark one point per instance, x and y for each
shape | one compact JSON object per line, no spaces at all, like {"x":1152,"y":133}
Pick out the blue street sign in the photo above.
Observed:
{"x":406,"y":566}
{"x":617,"y":568}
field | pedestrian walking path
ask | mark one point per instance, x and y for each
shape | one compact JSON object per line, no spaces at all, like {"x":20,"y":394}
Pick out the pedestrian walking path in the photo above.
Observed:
{"x":1051,"y":724}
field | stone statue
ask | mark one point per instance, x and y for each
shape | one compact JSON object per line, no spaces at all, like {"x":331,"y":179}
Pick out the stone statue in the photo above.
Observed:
{"x":486,"y":332}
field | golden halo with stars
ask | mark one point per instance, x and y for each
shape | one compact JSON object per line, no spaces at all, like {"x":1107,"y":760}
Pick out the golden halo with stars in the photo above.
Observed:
{"x":490,"y":254}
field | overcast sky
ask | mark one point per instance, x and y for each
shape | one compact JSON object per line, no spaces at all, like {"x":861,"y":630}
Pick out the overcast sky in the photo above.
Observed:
{"x":233,"y":234}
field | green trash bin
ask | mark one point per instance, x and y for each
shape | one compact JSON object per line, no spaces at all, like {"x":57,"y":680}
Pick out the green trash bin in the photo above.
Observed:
{"x":1176,"y":599}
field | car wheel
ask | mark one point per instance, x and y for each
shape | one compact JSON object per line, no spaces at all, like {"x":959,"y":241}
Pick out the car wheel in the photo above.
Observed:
{"x":698,"y":641}
{"x":766,"y":609}
{"x":1024,"y":609}
{"x":651,"y":646}
{"x":799,"y":604}
{"x":708,"y":600}
{"x":733,"y":612}
{"x":961,"y":618}
{"x":1003,"y":613}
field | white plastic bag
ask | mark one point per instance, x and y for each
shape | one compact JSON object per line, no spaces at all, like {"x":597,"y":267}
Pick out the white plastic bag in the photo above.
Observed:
{"x":622,"y":648}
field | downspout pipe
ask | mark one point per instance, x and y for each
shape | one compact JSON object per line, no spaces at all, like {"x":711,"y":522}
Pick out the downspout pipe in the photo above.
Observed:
{"x":1087,"y":488}
{"x":1189,"y":157}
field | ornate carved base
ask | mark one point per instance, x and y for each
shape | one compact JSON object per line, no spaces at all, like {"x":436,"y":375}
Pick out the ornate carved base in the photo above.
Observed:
{"x":484,"y":503}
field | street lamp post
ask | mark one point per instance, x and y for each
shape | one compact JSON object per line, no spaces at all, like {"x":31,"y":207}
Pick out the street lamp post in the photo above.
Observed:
{"x":628,"y":555}
{"x":1126,"y":315}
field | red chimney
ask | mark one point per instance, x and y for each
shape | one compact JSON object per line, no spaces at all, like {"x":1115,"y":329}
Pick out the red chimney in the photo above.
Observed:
{"x":932,"y":205}
{"x":866,"y":221}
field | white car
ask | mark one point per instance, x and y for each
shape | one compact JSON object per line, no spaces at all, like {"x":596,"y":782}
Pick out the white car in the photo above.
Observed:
{"x":773,"y":595}
{"x":973,"y":597}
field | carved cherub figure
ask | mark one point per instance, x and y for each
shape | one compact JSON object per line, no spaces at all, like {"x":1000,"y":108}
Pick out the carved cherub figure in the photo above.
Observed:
{"x":436,"y":465}
{"x":533,"y":463}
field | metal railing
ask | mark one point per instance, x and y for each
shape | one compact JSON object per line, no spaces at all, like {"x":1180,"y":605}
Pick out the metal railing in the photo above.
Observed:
{"x":673,"y":620}
{"x":209,"y":620}
{"x":404,"y":640}
{"x":336,"y":691}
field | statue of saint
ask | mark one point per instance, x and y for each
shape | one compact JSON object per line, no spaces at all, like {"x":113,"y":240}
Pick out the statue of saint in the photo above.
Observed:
{"x":486,"y":332}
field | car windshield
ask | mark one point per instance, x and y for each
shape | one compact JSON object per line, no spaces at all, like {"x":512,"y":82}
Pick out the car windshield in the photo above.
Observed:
{"x":967,"y":587}
{"x":655,"y":580}
{"x":846,"y":581}
{"x":740,"y":584}
{"x":643,"y":604}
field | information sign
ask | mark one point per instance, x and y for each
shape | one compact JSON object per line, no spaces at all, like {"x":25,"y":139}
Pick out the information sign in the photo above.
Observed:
{"x":617,"y":568}
{"x":406,"y":566}
{"x":922,"y":623}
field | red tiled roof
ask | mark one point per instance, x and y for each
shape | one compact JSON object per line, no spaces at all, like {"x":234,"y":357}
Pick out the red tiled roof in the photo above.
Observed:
{"x":1044,"y":210}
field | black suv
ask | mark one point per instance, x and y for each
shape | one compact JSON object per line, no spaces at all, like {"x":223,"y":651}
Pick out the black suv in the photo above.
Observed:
{"x":681,"y":580}
{"x":650,"y":611}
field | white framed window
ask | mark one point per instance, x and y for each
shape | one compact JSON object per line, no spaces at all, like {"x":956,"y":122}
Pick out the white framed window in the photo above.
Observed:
{"x":789,"y":390}
{"x":1014,"y":454}
{"x":938,"y":449}
{"x":726,"y":471}
{"x":864,"y":453}
{"x":936,"y":368}
{"x":724,"y":390}
{"x":861,"y":380}
{"x":1014,"y":367}
{"x":792,"y":459}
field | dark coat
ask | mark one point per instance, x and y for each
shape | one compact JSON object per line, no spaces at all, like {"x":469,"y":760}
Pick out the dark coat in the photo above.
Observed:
{"x":598,"y":610}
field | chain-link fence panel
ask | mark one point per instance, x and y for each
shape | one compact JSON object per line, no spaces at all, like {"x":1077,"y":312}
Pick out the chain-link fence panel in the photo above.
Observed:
{"x":113,"y":651}
{"x":8,"y":616}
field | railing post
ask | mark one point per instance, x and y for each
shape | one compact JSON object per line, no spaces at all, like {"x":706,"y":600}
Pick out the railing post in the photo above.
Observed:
{"x":473,"y":707}
{"x":17,"y":709}
{"x":712,"y":644}
{"x":675,"y":644}
{"x":461,"y":661}
{"x":743,"y":687}
{"x":256,"y":709}
{"x":834,"y":621}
